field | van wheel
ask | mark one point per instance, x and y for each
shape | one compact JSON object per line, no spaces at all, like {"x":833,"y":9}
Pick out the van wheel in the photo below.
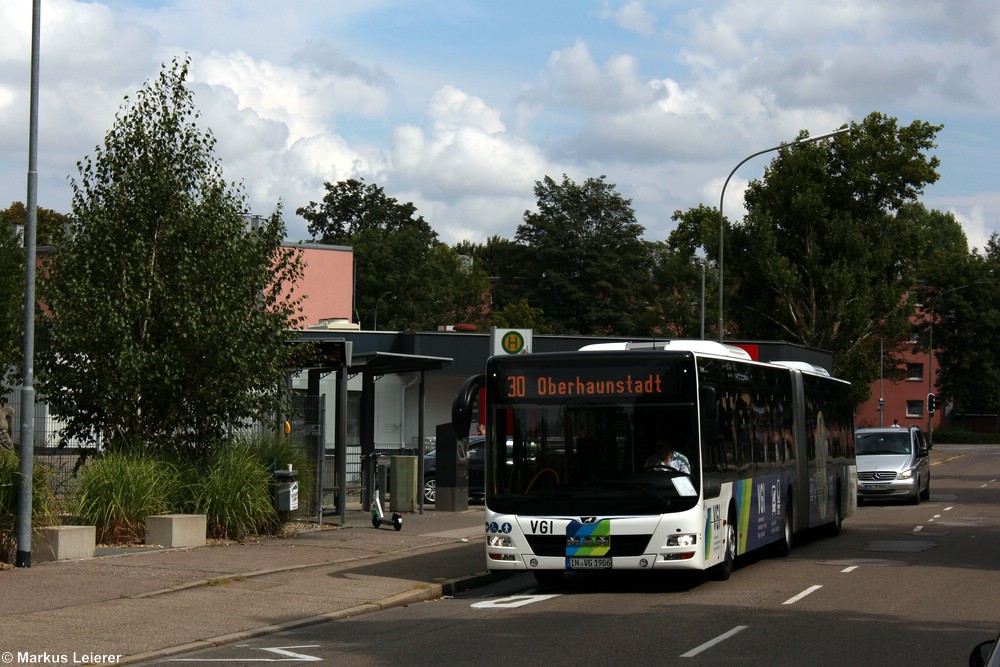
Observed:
{"x":926,"y":493}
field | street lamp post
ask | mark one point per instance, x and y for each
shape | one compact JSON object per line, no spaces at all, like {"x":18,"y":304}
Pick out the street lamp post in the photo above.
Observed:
{"x":377,"y":302}
{"x":722,"y":198}
{"x":27,"y":390}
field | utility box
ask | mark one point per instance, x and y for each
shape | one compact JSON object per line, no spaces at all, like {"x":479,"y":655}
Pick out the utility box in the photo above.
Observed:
{"x":286,"y":490}
{"x":403,"y":484}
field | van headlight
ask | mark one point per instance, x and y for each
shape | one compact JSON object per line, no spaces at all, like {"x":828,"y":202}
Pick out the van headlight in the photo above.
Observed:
{"x":906,"y":474}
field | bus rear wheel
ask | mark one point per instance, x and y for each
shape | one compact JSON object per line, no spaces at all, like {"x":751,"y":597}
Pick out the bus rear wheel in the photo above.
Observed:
{"x":834,"y":527}
{"x":783,"y":547}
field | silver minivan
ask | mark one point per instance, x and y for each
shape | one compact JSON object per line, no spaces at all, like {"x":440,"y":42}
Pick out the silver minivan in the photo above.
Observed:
{"x":893,"y":463}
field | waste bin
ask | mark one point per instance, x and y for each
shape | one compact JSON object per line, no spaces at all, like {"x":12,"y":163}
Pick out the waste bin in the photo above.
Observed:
{"x":403,"y":484}
{"x":286,"y":490}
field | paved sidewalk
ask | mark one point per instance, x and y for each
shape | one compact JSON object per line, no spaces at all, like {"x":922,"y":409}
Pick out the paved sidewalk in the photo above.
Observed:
{"x":153,"y":603}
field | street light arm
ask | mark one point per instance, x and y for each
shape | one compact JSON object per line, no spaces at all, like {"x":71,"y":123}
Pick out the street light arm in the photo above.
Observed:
{"x":722,"y":199}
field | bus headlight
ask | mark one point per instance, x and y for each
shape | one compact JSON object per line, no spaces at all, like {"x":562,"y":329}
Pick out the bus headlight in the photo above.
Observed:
{"x":682,"y":540}
{"x":499,"y":541}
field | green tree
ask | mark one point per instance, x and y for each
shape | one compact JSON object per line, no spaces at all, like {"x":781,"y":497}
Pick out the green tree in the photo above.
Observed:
{"x":49,"y":224}
{"x":168,"y":321}
{"x":403,"y":271}
{"x":964,"y":304}
{"x":521,"y":315}
{"x":11,"y":305}
{"x":585,"y":264}
{"x":691,"y":247}
{"x":828,"y":252}
{"x":12,"y":218}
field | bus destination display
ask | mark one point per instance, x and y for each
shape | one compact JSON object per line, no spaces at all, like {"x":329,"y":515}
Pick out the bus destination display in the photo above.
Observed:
{"x":548,"y":386}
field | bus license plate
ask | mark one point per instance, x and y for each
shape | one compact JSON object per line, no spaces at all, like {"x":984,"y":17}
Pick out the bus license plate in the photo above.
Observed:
{"x":590,"y":563}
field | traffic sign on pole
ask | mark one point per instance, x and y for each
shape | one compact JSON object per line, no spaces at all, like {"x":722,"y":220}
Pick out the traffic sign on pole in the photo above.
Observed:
{"x":510,"y":341}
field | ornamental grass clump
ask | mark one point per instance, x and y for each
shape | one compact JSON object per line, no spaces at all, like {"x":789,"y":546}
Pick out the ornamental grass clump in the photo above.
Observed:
{"x":43,"y":504}
{"x":118,"y":490}
{"x":234,"y":493}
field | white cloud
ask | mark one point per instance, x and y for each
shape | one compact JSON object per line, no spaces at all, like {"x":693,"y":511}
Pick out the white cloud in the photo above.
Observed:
{"x":662,"y":98}
{"x":634,"y":16}
{"x":468,"y":176}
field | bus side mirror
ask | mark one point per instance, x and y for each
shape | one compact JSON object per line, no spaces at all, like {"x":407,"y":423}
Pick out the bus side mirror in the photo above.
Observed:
{"x":461,"y":408}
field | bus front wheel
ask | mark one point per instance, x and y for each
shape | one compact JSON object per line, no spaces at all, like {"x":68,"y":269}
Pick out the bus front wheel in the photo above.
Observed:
{"x":723,"y":570}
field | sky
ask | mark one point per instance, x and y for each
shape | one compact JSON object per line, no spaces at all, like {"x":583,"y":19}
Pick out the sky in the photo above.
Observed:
{"x":461,"y":106}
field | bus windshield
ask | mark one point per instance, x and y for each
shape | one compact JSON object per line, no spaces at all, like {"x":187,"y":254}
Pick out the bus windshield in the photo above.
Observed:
{"x":617,"y":441}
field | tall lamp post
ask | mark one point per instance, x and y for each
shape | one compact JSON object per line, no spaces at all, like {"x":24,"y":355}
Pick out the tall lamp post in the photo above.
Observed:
{"x":26,"y":447}
{"x":722,"y":198}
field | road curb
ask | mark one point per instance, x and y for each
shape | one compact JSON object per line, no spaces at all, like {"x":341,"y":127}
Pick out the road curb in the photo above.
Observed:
{"x":422,"y":593}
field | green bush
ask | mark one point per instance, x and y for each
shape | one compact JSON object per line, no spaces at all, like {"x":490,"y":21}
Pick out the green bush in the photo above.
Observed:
{"x":950,"y":436}
{"x":233,"y":491}
{"x":43,"y":504}
{"x":118,"y":490}
{"x":230,"y":483}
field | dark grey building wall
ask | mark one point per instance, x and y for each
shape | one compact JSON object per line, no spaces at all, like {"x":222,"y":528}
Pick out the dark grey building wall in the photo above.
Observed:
{"x":469,"y":350}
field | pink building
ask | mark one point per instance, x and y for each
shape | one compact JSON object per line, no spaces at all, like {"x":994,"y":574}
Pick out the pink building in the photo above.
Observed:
{"x":327,"y":283}
{"x":905,"y":399}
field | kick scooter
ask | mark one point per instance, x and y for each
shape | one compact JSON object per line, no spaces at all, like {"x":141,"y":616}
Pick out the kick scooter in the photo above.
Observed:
{"x":378,"y":515}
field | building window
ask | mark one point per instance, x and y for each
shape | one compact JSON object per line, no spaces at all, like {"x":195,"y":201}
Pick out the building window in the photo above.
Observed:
{"x":914,"y":409}
{"x":914,"y":372}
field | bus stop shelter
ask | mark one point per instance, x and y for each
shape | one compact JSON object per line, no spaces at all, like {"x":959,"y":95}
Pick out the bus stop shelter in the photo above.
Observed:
{"x":334,"y":355}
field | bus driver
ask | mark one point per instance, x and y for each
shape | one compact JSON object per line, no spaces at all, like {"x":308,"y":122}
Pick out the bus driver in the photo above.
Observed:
{"x":666,"y":457}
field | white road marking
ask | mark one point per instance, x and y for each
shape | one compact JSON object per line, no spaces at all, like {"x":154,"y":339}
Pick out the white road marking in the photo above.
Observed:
{"x":712,"y":642}
{"x":290,"y":656}
{"x":512,"y":601}
{"x":796,"y":598}
{"x":852,"y":568}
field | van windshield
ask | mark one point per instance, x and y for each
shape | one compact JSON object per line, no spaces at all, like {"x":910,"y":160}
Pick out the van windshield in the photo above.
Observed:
{"x":883,"y":443}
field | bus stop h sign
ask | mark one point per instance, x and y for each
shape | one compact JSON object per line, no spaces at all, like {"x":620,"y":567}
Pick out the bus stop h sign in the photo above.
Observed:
{"x":510,"y":341}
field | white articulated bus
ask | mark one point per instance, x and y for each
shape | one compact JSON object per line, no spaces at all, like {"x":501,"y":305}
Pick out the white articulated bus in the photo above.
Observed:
{"x":769,"y":449}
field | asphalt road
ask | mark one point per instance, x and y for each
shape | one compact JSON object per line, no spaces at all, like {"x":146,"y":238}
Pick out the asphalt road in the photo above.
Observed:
{"x":902,"y":585}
